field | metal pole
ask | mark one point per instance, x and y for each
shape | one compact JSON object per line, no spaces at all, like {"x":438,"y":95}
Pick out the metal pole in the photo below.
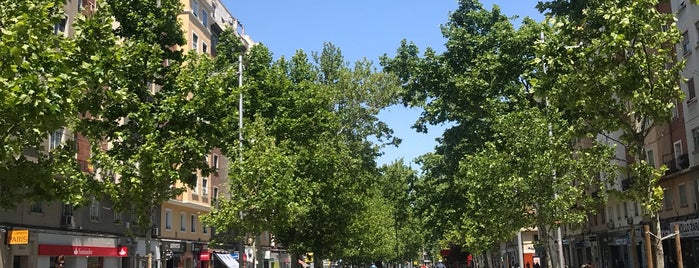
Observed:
{"x":240,"y":106}
{"x":634,"y":254}
{"x":559,"y":236}
{"x":241,"y":249}
{"x":520,"y":249}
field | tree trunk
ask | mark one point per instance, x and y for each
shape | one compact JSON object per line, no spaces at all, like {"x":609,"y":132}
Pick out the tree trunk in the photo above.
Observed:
{"x":659,"y":254}
{"x":488,"y":259}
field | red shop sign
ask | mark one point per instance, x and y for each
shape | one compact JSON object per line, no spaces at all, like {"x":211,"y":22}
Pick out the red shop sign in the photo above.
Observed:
{"x":205,"y":256}
{"x":55,"y":250}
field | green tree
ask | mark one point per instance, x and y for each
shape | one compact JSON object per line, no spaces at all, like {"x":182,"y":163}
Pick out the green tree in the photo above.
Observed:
{"x":493,"y":171}
{"x":151,"y":114}
{"x":621,"y":76}
{"x":39,"y":91}
{"x":308,"y":141}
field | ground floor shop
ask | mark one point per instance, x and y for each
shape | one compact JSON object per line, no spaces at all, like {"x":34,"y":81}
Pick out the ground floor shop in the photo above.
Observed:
{"x":46,"y":248}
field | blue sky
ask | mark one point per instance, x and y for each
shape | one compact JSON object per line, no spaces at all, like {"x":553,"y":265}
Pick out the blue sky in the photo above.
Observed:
{"x":362,"y":29}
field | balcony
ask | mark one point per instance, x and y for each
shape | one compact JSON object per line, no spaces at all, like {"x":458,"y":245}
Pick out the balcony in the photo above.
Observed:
{"x":677,"y":164}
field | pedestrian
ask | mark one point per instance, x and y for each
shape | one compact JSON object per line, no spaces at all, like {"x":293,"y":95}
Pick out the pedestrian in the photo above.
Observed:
{"x":537,"y":265}
{"x":60,"y":262}
{"x":372,"y":265}
{"x":440,"y":264}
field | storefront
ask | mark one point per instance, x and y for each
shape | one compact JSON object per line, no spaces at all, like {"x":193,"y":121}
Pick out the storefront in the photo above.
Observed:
{"x":78,"y":251}
{"x":689,"y":237}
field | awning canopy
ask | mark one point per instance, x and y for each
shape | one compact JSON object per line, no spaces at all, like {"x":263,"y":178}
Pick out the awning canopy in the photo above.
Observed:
{"x":227,"y":259}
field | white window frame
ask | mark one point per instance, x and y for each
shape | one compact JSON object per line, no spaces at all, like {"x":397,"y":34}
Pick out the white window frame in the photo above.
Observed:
{"x":61,"y":27}
{"x":677,"y":150}
{"x":214,"y":162}
{"x":204,"y":186}
{"x":205,"y":18}
{"x":650,"y":157}
{"x":195,"y":42}
{"x":684,"y":43}
{"x":193,"y":223}
{"x":118,"y":217}
{"x":183,"y":222}
{"x":204,"y":48}
{"x":195,"y":8}
{"x":684,"y":201}
{"x":691,"y":90}
{"x":56,"y":138}
{"x":36,"y":207}
{"x":168,"y":219}
{"x":95,"y":210}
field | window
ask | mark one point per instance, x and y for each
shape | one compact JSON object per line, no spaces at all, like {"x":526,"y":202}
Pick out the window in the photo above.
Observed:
{"x":667,"y":198}
{"x":618,"y":211}
{"x":626,"y":210}
{"x":195,"y":8}
{"x":685,"y":43}
{"x":183,"y":223}
{"x":695,"y":138}
{"x":204,"y":48}
{"x":60,"y":27}
{"x":205,"y":18}
{"x":168,"y":219}
{"x":80,"y":5}
{"x":675,"y":112}
{"x":56,"y":139}
{"x":204,"y":229}
{"x":118,"y":217}
{"x":691,"y":92}
{"x":192,"y":218}
{"x":195,"y":42}
{"x":67,"y":210}
{"x":650,"y":157}
{"x":678,"y":153}
{"x":204,"y":186}
{"x":683,"y":196}
{"x":36,"y":207}
{"x":94,"y":209}
{"x":215,"y":193}
{"x":696,"y":29}
{"x":636,"y":208}
{"x":214,"y":163}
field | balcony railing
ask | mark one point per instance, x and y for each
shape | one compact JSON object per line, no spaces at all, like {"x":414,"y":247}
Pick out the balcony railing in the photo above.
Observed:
{"x":677,"y":164}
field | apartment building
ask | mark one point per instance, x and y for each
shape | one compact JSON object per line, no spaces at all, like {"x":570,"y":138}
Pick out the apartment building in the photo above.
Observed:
{"x":614,"y":236}
{"x":97,"y":236}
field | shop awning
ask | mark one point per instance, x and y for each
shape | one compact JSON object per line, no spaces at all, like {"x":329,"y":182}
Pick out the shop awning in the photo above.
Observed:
{"x":227,"y":259}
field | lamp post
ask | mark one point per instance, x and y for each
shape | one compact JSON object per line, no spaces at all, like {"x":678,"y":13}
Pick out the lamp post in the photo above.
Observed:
{"x":559,"y":236}
{"x":241,"y":248}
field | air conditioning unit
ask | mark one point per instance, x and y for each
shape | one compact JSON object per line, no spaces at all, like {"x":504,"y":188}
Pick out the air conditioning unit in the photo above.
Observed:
{"x":68,"y":221}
